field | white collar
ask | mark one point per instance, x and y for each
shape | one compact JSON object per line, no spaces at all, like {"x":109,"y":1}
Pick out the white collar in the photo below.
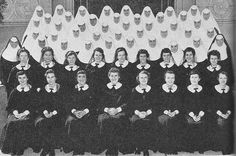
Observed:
{"x":26,"y":67}
{"x":117,"y":63}
{"x":210,"y":68}
{"x":116,"y":86}
{"x":74,"y":67}
{"x":140,"y":90}
{"x":25,"y":88}
{"x":186,"y":65}
{"x":54,"y":89}
{"x":100,"y":65}
{"x":191,"y":88}
{"x":166,"y":88}
{"x":85,"y":87}
{"x":147,"y":66}
{"x":219,"y":89}
{"x":50,"y":65}
{"x":163,"y":64}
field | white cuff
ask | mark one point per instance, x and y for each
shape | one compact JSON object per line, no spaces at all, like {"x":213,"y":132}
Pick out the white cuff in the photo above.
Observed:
{"x":73,"y":110}
{"x":86,"y":110}
{"x":201,"y":113}
{"x":176,"y":111}
{"x":229,"y":112}
{"x":38,"y":89}
{"x":166,"y":112}
{"x":219,"y":112}
{"x":45,"y":112}
{"x":136,"y":112}
{"x":26,"y":112}
{"x":54,"y":112}
{"x":15,"y":112}
{"x":149,"y":112}
{"x":106,"y":109}
{"x":119,"y":109}
{"x":191,"y":114}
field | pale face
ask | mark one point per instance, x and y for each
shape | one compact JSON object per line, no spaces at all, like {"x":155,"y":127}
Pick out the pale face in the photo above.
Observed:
{"x":35,"y":35}
{"x":206,"y":16}
{"x":126,"y":26}
{"x":13,"y":44}
{"x":148,"y":26}
{"x":93,"y":21}
{"x":39,"y":13}
{"x":68,"y":18}
{"x":194,"y":12}
{"x":189,"y":56}
{"x":174,"y":48}
{"x":143,"y":58}
{"x":108,"y":44}
{"x":88,"y":46}
{"x":214,"y":60}
{"x":187,"y":33}
{"x":47,"y":57}
{"x":196,"y":43}
{"x":222,"y":79}
{"x":82,"y":27}
{"x":137,"y":21}
{"x":107,"y":12}
{"x":105,"y":29}
{"x":183,"y":18}
{"x":166,"y":57}
{"x":140,"y":33}
{"x":152,"y":43}
{"x":81,"y":79}
{"x":130,"y":43}
{"x":160,"y":19}
{"x":54,"y":37}
{"x":96,"y":37}
{"x":169,"y":79}
{"x":210,"y":34}
{"x":36,"y":23}
{"x":58,"y":26}
{"x":173,"y":27}
{"x":126,"y":12}
{"x":169,"y":13}
{"x":22,"y":79}
{"x":121,"y":56}
{"x":64,"y":45}
{"x":48,"y":20}
{"x":143,"y":79}
{"x":116,"y":20}
{"x":60,"y":11}
{"x":219,"y":42}
{"x":194,"y":79}
{"x":71,"y":59}
{"x":197,"y":24}
{"x":23,"y":57}
{"x":41,"y":43}
{"x":147,"y":13}
{"x":164,"y":34}
{"x":82,"y":12}
{"x":118,"y":36}
{"x":97,"y":56}
{"x":51,"y":78}
{"x":114,"y":78}
{"x":76,"y":33}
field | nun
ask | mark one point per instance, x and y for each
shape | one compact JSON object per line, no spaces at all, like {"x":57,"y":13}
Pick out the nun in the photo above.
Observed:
{"x":208,"y":37}
{"x":53,"y":40}
{"x":160,"y":22}
{"x":116,"y":22}
{"x":106,"y":14}
{"x":74,"y":39}
{"x":62,"y":50}
{"x":105,"y":30}
{"x":33,"y":23}
{"x":59,"y":13}
{"x":153,"y":48}
{"x":97,"y":39}
{"x":163,"y":37}
{"x":186,"y":37}
{"x":82,"y":15}
{"x":46,"y":24}
{"x":201,"y":51}
{"x":182,"y":20}
{"x":9,"y":57}
{"x":119,"y":38}
{"x":109,"y":49}
{"x":132,"y":48}
{"x":208,"y":20}
{"x":174,"y":30}
{"x":141,"y":37}
{"x":127,"y":28}
{"x":126,"y":13}
{"x":138,"y":22}
{"x":147,"y":14}
{"x":68,"y":21}
{"x":59,"y":27}
{"x":94,"y":24}
{"x":197,"y":27}
{"x":169,"y":15}
{"x":177,"y":52}
{"x":86,"y":52}
{"x":84,"y":31}
{"x":193,"y":13}
{"x":149,"y":27}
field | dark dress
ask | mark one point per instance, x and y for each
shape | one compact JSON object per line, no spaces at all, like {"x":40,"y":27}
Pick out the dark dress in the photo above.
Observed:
{"x":112,"y":128}
{"x":220,"y":129}
{"x":195,"y":137}
{"x":51,"y":130}
{"x":19,"y":134}
{"x":143,"y":129}
{"x":79,"y":129}
{"x":6,"y":67}
{"x":170,"y":128}
{"x":12,"y":81}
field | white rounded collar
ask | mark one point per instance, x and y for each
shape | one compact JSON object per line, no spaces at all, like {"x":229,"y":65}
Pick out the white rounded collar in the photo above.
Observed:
{"x":100,"y":65}
{"x":116,"y":86}
{"x":85,"y":87}
{"x":26,"y":67}
{"x":147,"y":66}
{"x":167,"y":89}
{"x":54,"y":89}
{"x":50,"y":65}
{"x":193,"y":65}
{"x":25,"y":88}
{"x":217,"y":68}
{"x":140,"y":90}
{"x":117,"y":63}
{"x":220,"y":90}
{"x":169,"y":65}
{"x":194,"y":89}
{"x":74,"y":67}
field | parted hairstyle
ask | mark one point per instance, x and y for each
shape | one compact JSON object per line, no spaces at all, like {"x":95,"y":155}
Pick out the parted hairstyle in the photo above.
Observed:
{"x":143,"y":72}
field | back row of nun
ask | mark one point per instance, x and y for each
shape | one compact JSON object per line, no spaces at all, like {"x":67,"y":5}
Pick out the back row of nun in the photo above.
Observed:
{"x":178,"y":60}
{"x":168,"y":119}
{"x":112,"y":30}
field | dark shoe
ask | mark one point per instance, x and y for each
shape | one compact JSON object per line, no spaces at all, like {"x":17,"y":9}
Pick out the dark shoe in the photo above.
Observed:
{"x":43,"y":153}
{"x":52,"y":153}
{"x":145,"y":153}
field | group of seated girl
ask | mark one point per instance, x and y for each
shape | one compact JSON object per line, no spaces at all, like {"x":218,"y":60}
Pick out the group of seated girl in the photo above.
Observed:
{"x":119,"y":107}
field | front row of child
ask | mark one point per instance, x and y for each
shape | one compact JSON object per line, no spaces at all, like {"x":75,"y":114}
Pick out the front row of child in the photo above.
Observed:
{"x":168,"y":119}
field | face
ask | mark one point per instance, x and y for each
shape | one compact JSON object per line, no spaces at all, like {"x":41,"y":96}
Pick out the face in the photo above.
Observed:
{"x":82,"y":12}
{"x":107,"y":12}
{"x":68,"y":18}
{"x":47,"y":20}
{"x":169,"y":79}
{"x":13,"y":44}
{"x":22,"y":79}
{"x":143,"y":58}
{"x":174,"y":48}
{"x":126,"y":12}
{"x":36,"y":23}
{"x":183,"y":18}
{"x":152,"y":43}
{"x":64,"y":45}
{"x":58,"y":26}
{"x":39,"y":13}
{"x":60,"y":11}
{"x":126,"y":26}
{"x":197,"y":24}
{"x":121,"y":56}
{"x":196,"y":43}
{"x":118,"y":36}
{"x":76,"y":33}
{"x":98,"y":56}
{"x":160,"y":19}
{"x":188,"y":33}
{"x":88,"y":46}
{"x":143,"y":79}
{"x":105,"y":29}
{"x":219,"y":42}
{"x":189,"y":56}
{"x":169,"y":13}
{"x":166,"y":57}
{"x":137,"y":20}
{"x":130,"y":43}
{"x":140,"y":33}
{"x":41,"y":43}
{"x":82,"y":27}
{"x":108,"y":44}
{"x":148,"y":26}
{"x":194,"y":79}
{"x":96,"y":37}
{"x":81,"y":79}
{"x":173,"y":27}
{"x":93,"y":21}
{"x":35,"y":35}
{"x":147,"y":13}
{"x":47,"y":57}
{"x":51,"y":78}
{"x":210,"y":34}
{"x":71,"y":59}
{"x":164,"y":34}
{"x":114,"y":77}
{"x":23,"y":57}
{"x":214,"y":60}
{"x":206,"y":16}
{"x":54,"y":37}
{"x":222,"y":79}
{"x":116,"y":20}
{"x":194,"y":12}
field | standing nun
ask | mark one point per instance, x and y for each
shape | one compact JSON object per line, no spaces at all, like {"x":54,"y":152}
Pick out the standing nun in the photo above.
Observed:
{"x":94,"y":24}
{"x":197,"y":27}
{"x":174,"y":30}
{"x":153,"y":48}
{"x":149,"y":27}
{"x":9,"y":56}
{"x":140,"y":37}
{"x":46,"y":24}
{"x":118,"y":37}
{"x":147,"y":14}
{"x":137,"y":21}
{"x":82,"y":15}
{"x":208,"y":37}
{"x":106,"y":14}
{"x":163,"y":37}
{"x":84,"y":31}
{"x":182,"y":20}
{"x":53,"y":40}
{"x":68,"y":21}
{"x":193,"y":13}
{"x":33,"y":23}
{"x":160,"y":23}
{"x":127,"y":27}
{"x":186,"y":37}
{"x":97,"y":39}
{"x":62,"y":50}
{"x":59,"y":13}
{"x":105,"y":30}
{"x":58,"y":26}
{"x":208,"y":20}
{"x":74,"y":39}
{"x":109,"y":49}
{"x":116,"y":22}
{"x":86,"y":51}
{"x":132,"y":48}
{"x":126,"y":13}
{"x":169,"y":15}
{"x":201,"y":51}
{"x":177,"y":52}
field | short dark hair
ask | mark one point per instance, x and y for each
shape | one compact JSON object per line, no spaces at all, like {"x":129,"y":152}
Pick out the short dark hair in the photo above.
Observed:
{"x":143,"y":72}
{"x":19,"y":73}
{"x":113,"y":70}
{"x":44,"y":50}
{"x":165,"y":50}
{"x":21,"y":50}
{"x":214,"y":53}
{"x":119,"y":50}
{"x":81,"y":72}
{"x":142,"y":51}
{"x":168,"y":72}
{"x":193,"y":72}
{"x":223,"y":73}
{"x":49,"y":71}
{"x":189,"y":49}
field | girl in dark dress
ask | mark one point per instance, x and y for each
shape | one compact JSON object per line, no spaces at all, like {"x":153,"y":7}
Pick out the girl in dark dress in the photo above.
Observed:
{"x":71,"y":67}
{"x":169,"y":119}
{"x":189,"y":64}
{"x":97,"y":71}
{"x":195,"y":115}
{"x":221,"y":115}
{"x":141,"y":107}
{"x":19,"y":131}
{"x":50,"y":122}
{"x":166,"y":62}
{"x":8,"y":57}
{"x":121,"y":62}
{"x":112,"y":119}
{"x":143,"y":63}
{"x":47,"y":62}
{"x":23,"y":57}
{"x":81,"y":115}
